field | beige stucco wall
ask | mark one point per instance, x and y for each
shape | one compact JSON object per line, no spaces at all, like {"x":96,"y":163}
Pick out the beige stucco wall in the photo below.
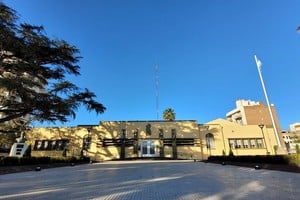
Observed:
{"x":73,"y":134}
{"x":114,"y":130}
{"x":184,"y":129}
{"x":224,"y":130}
{"x":221,"y":129}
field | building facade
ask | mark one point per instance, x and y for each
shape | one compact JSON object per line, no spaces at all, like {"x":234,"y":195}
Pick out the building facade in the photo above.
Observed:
{"x":292,"y":138}
{"x":120,"y":140}
{"x":289,"y":139}
{"x":220,"y":136}
{"x":179,"y":139}
{"x":295,"y":127}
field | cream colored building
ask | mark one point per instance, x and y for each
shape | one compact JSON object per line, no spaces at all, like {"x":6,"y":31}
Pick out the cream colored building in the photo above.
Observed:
{"x":120,"y":140}
{"x":221,"y":135}
{"x":179,"y":139}
{"x":248,"y":130}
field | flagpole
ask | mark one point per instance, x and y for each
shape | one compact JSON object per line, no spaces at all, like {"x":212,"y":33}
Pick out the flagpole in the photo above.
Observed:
{"x":258,"y":64}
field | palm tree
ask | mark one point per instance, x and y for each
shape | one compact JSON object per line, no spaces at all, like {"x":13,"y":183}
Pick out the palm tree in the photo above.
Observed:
{"x":169,"y":114}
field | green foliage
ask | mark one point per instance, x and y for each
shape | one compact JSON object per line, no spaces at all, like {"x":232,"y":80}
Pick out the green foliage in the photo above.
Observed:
{"x":268,"y":159}
{"x":297,"y":159}
{"x":28,"y":151}
{"x":230,"y":153}
{"x":296,"y":139}
{"x":294,"y":159}
{"x":223,"y":153}
{"x":14,"y":161}
{"x":34,"y":67}
{"x":297,"y":149}
{"x":275,"y":149}
{"x":7,"y":161}
{"x":169,"y":114}
{"x":7,"y":139}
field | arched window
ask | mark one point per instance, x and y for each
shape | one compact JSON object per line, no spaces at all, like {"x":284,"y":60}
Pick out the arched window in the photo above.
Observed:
{"x":210,"y":141}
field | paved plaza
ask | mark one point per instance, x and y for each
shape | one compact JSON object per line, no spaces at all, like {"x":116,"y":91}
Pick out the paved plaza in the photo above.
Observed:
{"x":139,"y":180}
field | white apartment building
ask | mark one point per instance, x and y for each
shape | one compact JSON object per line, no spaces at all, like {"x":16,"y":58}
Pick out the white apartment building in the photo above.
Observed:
{"x":295,"y":127}
{"x":238,"y":114}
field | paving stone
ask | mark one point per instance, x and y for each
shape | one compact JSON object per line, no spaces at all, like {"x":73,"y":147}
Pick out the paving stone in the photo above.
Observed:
{"x":143,"y":180}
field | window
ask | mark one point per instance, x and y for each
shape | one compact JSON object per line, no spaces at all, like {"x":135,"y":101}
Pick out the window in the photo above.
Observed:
{"x":238,"y":144}
{"x":20,"y":146}
{"x":58,"y":145}
{"x":53,"y":144}
{"x":39,"y":144}
{"x":231,"y":143}
{"x":210,"y":141}
{"x":252,"y":143}
{"x":246,"y":143}
{"x":259,"y":143}
{"x":45,"y":144}
{"x":239,"y":120}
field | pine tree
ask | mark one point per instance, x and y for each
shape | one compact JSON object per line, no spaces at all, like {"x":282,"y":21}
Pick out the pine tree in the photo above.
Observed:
{"x":33,"y":70}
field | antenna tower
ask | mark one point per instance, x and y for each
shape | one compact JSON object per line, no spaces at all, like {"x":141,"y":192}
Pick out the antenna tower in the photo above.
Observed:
{"x":156,"y":91}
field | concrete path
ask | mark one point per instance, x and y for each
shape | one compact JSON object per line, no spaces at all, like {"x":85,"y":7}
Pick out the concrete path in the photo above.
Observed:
{"x":138,"y":180}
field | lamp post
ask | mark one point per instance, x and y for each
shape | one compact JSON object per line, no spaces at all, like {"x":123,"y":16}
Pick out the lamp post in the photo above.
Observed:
{"x":261,"y":126}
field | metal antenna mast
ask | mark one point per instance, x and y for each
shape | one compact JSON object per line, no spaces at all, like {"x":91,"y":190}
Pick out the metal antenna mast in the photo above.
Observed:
{"x":156,"y":91}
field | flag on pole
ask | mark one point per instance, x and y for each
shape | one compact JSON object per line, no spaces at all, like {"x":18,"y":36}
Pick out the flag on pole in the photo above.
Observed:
{"x":258,"y":62}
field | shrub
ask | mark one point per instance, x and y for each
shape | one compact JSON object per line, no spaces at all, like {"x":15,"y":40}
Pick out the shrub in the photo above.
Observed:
{"x":223,"y":153}
{"x":268,"y":159}
{"x":6,"y":161}
{"x":297,"y":149}
{"x":231,"y":153}
{"x":28,"y":151}
{"x":12,"y":161}
{"x":275,"y":149}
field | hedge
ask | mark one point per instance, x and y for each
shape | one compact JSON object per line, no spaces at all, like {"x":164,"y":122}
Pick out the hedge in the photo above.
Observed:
{"x":266,"y":159}
{"x":15,"y":161}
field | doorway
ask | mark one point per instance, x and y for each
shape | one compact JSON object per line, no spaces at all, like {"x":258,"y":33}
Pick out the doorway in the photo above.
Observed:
{"x":148,"y":148}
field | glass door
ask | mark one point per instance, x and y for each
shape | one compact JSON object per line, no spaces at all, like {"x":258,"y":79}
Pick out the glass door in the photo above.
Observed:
{"x":148,"y":148}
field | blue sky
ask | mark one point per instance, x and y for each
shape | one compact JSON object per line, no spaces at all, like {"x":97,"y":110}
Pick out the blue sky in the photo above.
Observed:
{"x":204,"y":50}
